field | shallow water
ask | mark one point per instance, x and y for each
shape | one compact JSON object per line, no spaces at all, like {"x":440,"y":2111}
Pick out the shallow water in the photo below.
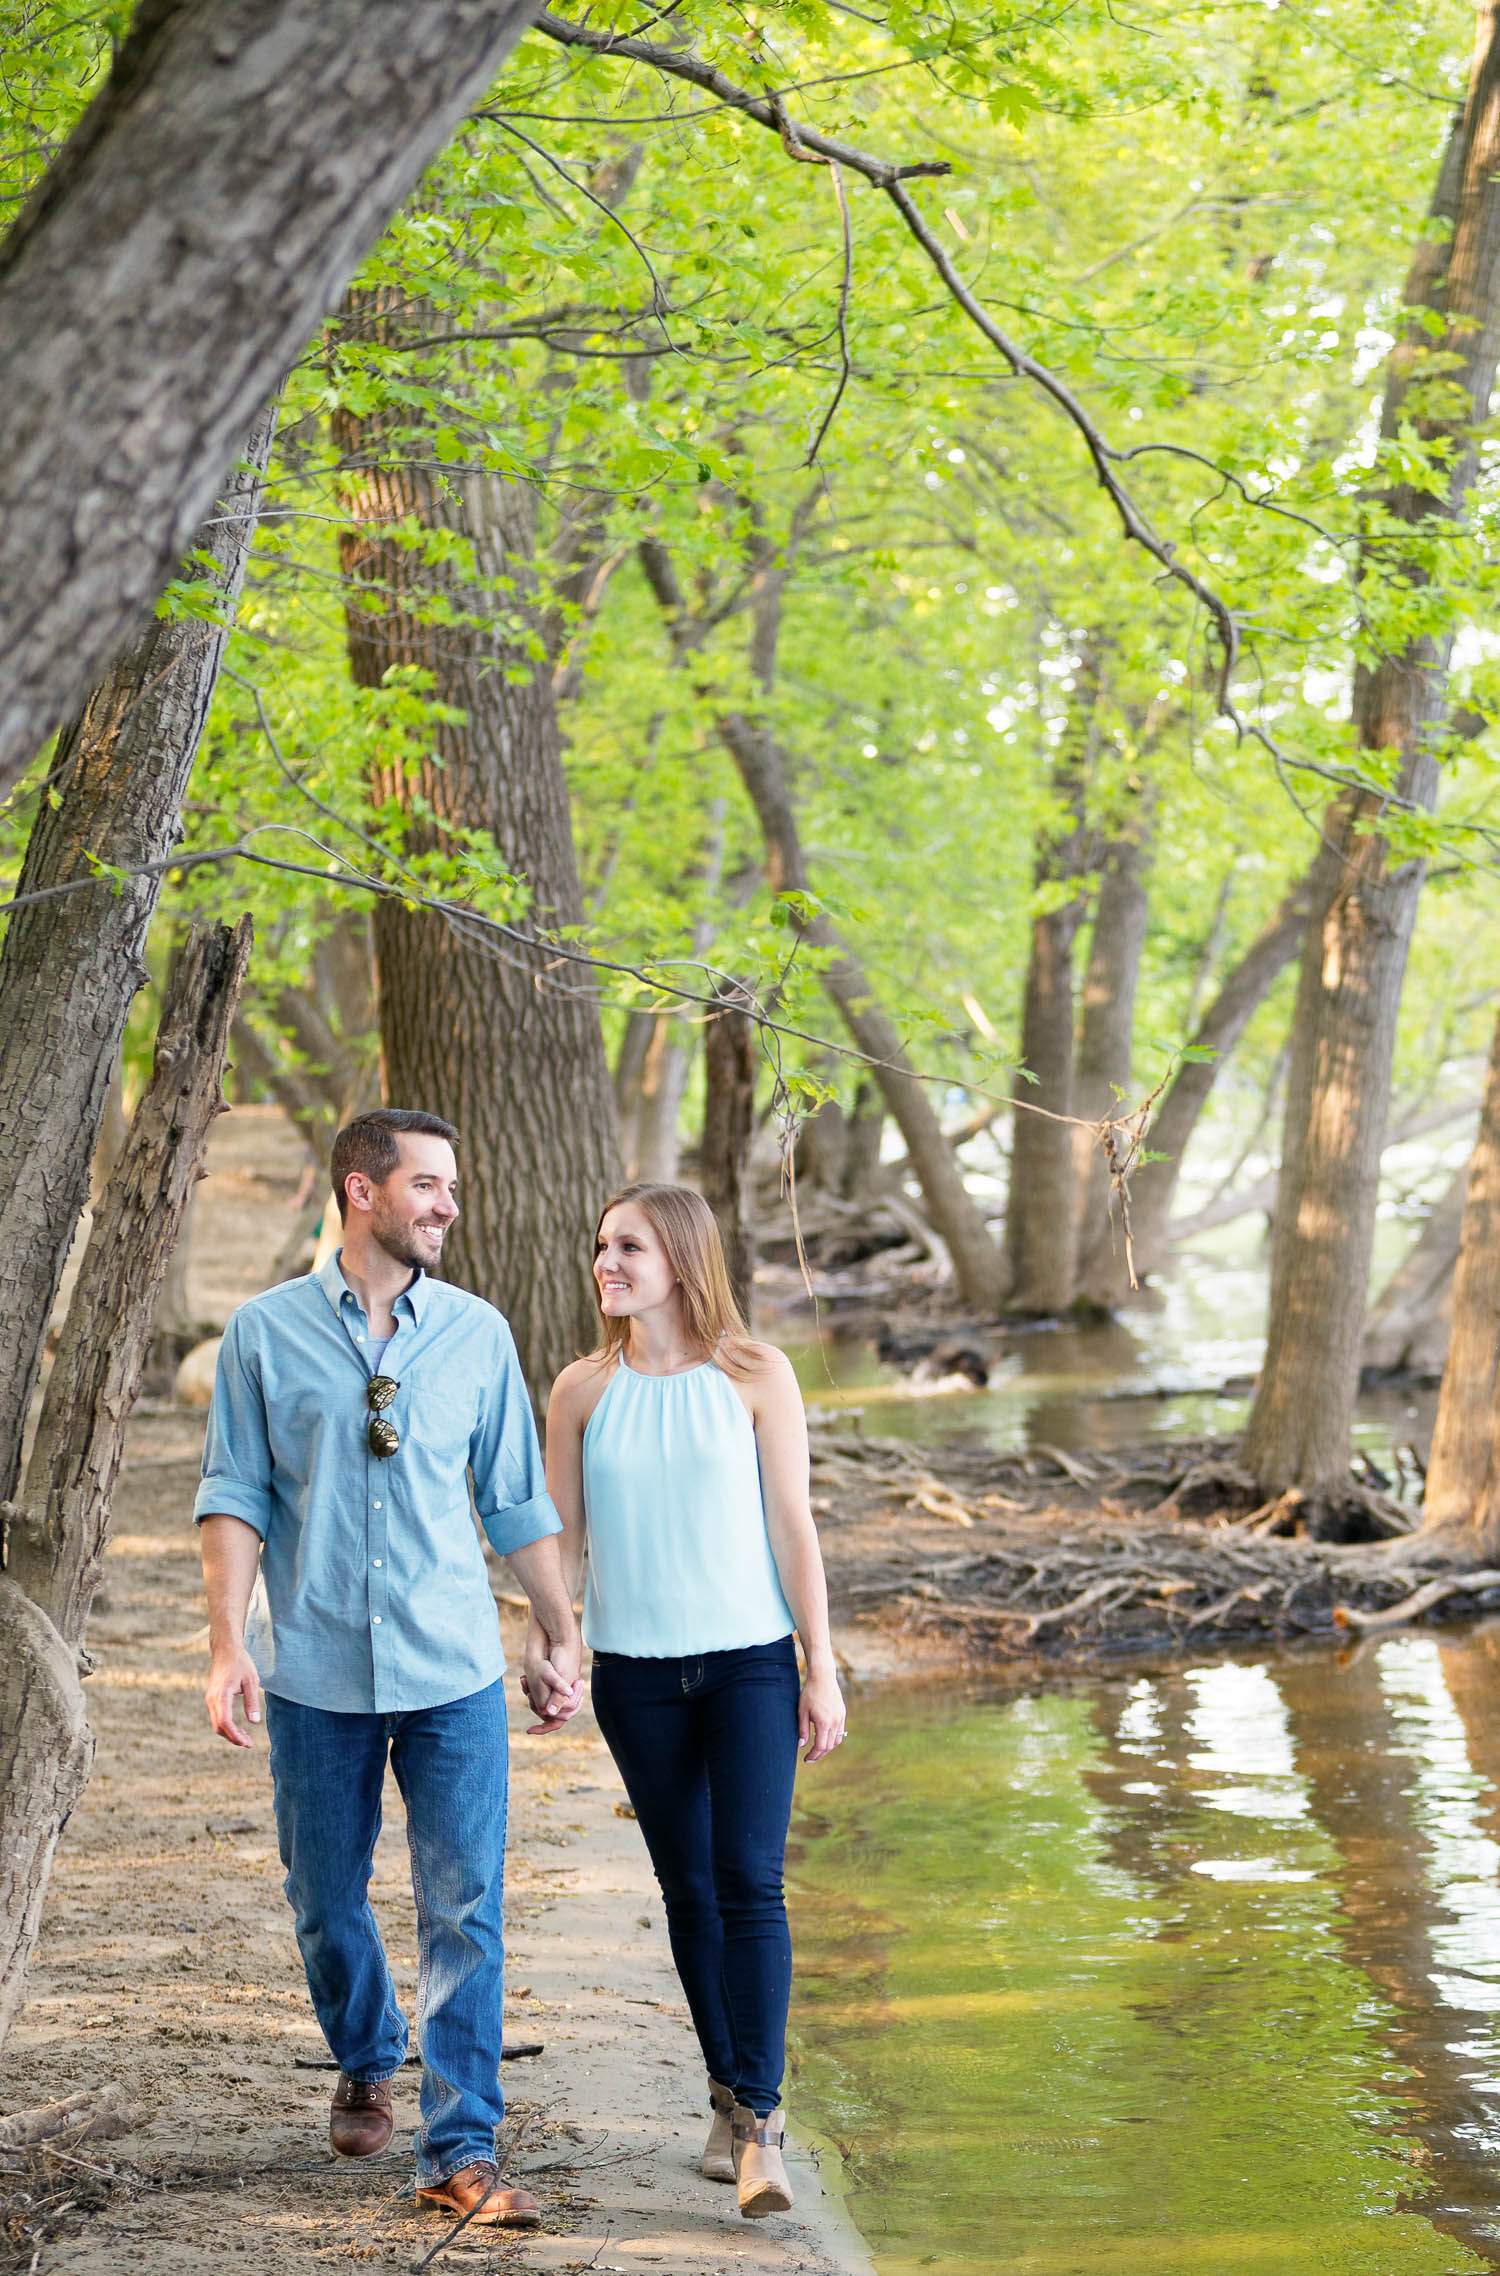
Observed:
{"x":1156,"y":1975}
{"x":1157,"y":1370}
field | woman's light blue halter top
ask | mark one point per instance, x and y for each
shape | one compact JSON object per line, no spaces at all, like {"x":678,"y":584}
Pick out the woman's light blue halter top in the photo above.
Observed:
{"x":679,"y":1557}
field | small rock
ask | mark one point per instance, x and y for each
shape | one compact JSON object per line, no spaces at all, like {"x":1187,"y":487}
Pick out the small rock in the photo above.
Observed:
{"x":193,"y":1385}
{"x":231,"y":1825}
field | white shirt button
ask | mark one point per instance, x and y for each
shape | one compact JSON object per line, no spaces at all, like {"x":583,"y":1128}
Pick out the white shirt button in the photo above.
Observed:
{"x":378,"y":1563}
{"x":375,"y":1622}
{"x":376,"y":1505}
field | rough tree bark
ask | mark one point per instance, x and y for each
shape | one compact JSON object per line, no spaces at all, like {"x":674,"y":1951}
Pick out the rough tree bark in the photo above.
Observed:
{"x":57,"y":1531}
{"x":1461,"y":1506}
{"x":71,"y":965}
{"x":1354,"y":956}
{"x":1245,"y":988}
{"x":1041,"y":1222}
{"x":728,"y":1127}
{"x":1106,"y":1036}
{"x":470,"y":1027}
{"x":208,"y":209}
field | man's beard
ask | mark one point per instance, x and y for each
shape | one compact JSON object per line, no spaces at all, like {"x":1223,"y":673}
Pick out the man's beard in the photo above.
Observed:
{"x":400,"y":1243}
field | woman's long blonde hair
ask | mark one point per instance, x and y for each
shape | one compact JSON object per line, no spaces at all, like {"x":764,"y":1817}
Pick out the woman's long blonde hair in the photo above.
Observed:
{"x":689,"y":1233}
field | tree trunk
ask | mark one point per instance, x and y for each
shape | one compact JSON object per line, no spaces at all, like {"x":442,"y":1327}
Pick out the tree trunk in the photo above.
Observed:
{"x":207,"y":210}
{"x":473,"y":1027}
{"x":57,"y":1534}
{"x":1463,"y":1471}
{"x":1354,"y":956}
{"x":1364,"y":904}
{"x":1154,"y":1186}
{"x":728,"y":1127}
{"x":627,"y":1078}
{"x":1041,"y":1221}
{"x":977,"y":1263}
{"x":663,"y":1082}
{"x":70,"y":966}
{"x":866,"y":1129}
{"x":1410,"y":1325}
{"x":1101,"y":1074}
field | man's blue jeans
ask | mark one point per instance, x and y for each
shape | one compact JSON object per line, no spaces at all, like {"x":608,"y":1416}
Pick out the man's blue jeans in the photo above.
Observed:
{"x":707,"y":1748}
{"x":450,"y":1764}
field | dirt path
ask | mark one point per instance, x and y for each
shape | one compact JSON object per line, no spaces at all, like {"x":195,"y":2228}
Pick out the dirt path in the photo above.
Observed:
{"x":168,"y":1964}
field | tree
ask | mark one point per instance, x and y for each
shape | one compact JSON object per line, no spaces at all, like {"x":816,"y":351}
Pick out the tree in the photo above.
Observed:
{"x":108,"y":808}
{"x":207,"y":210}
{"x":58,"y":1530}
{"x":441,"y":583}
{"x":1439,"y":381}
{"x":1461,"y":1504}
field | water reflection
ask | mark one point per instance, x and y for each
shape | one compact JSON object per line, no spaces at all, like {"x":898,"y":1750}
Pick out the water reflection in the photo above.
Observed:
{"x":1187,"y":1972}
{"x":1154,"y":1372}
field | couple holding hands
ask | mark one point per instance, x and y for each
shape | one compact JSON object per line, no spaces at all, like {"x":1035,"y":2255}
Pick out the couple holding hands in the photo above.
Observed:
{"x":354,"y":1412}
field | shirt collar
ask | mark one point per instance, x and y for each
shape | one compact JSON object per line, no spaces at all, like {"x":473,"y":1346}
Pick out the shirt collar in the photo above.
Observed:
{"x":330,"y":1278}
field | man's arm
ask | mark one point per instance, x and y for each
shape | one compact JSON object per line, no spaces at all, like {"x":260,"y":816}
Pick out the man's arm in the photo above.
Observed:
{"x":231,"y":1559}
{"x":233,"y":1510}
{"x":552,"y":1680}
{"x":521,"y":1524}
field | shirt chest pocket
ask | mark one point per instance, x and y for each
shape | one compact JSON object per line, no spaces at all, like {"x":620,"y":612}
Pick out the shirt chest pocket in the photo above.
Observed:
{"x":440,"y":1419}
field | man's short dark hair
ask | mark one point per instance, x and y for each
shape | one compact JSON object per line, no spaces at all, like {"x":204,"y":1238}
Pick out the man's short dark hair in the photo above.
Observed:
{"x":371,"y":1145}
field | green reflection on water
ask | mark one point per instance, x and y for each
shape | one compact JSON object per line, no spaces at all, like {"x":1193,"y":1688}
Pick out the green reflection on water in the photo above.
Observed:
{"x":1070,"y":2012}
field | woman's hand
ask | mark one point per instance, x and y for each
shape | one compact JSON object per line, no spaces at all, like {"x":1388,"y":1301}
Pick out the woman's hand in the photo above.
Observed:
{"x":820,"y":1714}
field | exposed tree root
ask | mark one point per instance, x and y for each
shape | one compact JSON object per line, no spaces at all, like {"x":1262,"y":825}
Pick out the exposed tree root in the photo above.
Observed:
{"x":1051,"y":1564}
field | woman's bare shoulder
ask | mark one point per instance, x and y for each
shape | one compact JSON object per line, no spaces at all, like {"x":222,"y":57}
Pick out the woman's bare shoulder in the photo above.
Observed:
{"x":579,"y":1388}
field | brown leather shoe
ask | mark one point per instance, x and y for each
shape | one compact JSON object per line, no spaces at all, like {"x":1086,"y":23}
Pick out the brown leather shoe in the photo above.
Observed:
{"x":478,"y":2192}
{"x":361,"y":2121}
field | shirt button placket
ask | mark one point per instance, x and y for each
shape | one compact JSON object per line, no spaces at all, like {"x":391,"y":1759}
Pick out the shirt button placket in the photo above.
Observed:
{"x":382,"y":1646}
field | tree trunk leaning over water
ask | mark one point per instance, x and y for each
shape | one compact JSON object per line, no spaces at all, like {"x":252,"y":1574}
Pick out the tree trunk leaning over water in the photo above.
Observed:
{"x":471,"y":1027}
{"x":205,"y":213}
{"x":1462,"y":1501}
{"x":58,"y":1529}
{"x":1354,"y":956}
{"x":979,"y":1267}
{"x":70,"y":966}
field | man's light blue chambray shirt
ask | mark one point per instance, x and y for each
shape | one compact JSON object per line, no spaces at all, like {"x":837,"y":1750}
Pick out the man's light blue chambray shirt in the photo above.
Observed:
{"x":376,"y":1597}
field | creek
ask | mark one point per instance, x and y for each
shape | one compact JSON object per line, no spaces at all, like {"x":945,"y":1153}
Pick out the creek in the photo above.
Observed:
{"x":1158,"y":1974}
{"x":1178,"y":1364}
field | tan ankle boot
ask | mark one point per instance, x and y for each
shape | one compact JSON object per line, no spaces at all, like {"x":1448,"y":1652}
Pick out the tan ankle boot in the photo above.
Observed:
{"x":717,"y":2161}
{"x":758,"y":2170}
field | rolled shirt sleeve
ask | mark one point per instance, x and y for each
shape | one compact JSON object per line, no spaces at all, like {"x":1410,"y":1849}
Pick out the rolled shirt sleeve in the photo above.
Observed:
{"x":236,"y":1453}
{"x":505,"y":1461}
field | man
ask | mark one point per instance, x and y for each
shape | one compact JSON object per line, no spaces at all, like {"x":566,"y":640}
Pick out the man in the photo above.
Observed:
{"x":351,"y":1409}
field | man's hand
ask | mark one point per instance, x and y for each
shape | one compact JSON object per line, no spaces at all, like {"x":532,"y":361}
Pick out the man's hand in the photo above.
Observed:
{"x":232,"y":1676}
{"x":551,"y":1684}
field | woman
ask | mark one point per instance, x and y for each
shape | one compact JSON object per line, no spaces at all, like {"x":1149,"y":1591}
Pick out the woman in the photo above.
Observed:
{"x":677,"y":1455}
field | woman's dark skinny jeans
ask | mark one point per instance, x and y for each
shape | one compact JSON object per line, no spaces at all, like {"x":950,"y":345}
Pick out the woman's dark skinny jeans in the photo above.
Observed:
{"x":707,"y":1748}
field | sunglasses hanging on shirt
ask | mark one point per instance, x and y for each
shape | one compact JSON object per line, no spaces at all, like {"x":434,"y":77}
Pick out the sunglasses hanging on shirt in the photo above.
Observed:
{"x":381,"y":1435}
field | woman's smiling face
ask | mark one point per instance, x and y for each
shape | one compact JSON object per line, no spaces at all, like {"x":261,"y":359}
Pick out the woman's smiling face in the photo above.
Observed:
{"x":631,"y":1268}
